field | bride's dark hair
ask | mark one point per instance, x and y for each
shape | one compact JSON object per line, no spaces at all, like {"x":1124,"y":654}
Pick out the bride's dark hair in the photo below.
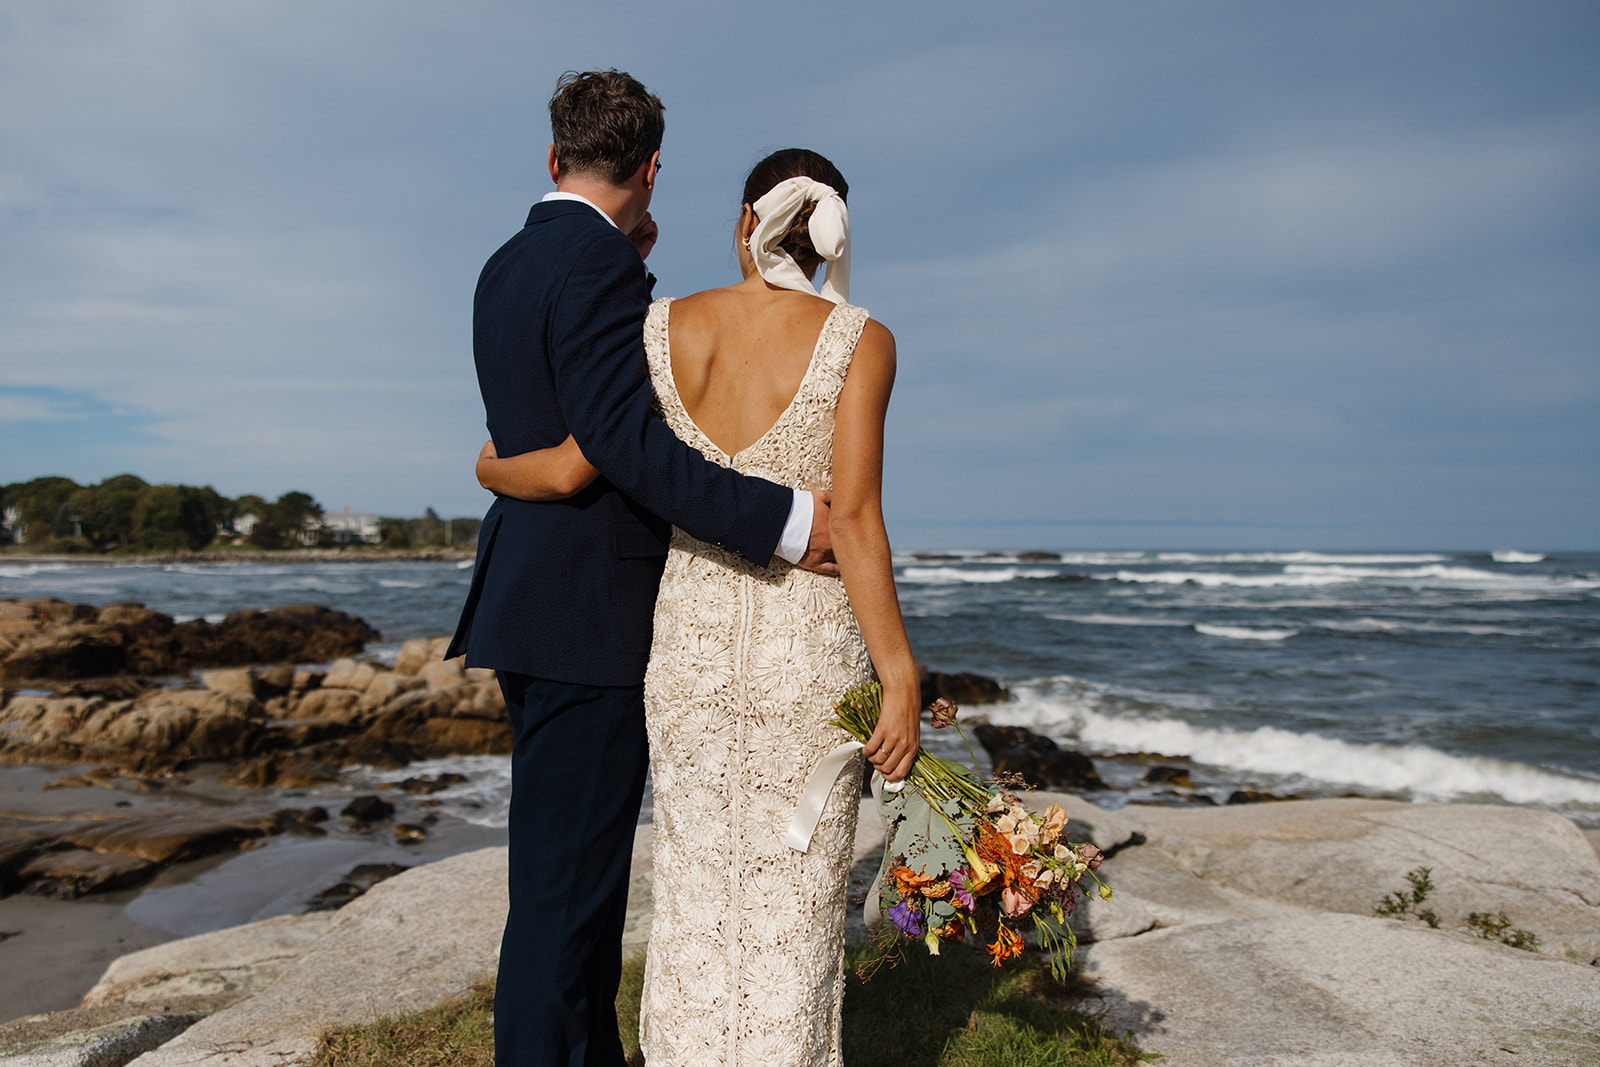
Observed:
{"x":789,"y":163}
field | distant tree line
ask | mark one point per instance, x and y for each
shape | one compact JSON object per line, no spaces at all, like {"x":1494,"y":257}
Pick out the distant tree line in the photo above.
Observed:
{"x":126,"y":513}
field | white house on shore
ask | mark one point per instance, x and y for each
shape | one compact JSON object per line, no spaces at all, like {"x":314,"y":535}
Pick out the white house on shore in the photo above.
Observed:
{"x":11,"y":526}
{"x":349,"y":526}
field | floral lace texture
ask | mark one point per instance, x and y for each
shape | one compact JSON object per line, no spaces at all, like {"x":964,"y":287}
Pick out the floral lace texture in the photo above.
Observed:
{"x":746,"y":957}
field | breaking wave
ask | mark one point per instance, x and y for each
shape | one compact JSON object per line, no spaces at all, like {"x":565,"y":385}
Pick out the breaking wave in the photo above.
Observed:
{"x":1416,"y":770}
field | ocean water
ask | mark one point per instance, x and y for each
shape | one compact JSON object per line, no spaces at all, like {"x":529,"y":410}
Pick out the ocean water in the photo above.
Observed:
{"x":1425,"y":676}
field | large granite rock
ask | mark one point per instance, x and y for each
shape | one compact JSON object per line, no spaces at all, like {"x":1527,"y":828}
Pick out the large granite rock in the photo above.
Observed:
{"x":228,"y":963}
{"x":1343,"y":991}
{"x":74,"y":857}
{"x":107,"y":1045}
{"x":161,"y":726}
{"x":408,"y":943}
{"x":47,"y":639}
{"x":1344,"y":855}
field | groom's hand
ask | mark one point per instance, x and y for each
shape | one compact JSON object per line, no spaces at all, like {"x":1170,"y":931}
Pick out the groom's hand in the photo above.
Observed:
{"x":819,"y":549}
{"x":644,"y":235}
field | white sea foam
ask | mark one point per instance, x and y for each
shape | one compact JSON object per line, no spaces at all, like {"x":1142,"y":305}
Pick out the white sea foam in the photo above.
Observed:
{"x":1116,"y":620}
{"x":1511,"y":555}
{"x":1446,"y":577}
{"x":1216,"y":579}
{"x":1420,"y":771}
{"x":1371,"y":625}
{"x":484,"y":798}
{"x":955,"y":575}
{"x":28,"y":570}
{"x":466,"y":564}
{"x":1295,"y":557}
{"x":396,"y":583}
{"x":1243,"y":633}
{"x":212,"y":619}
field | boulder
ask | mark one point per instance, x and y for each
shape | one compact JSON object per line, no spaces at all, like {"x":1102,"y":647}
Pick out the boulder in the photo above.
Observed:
{"x":70,"y":651}
{"x":273,"y":682}
{"x":77,"y":872}
{"x":431,"y":784}
{"x":307,"y":678}
{"x":338,"y":705}
{"x":437,"y":674}
{"x":414,"y":655}
{"x":61,"y":641}
{"x":1040,"y":761}
{"x":368,"y":809}
{"x":1162,"y":775}
{"x":353,"y":885}
{"x":235,"y":681}
{"x":349,"y":674}
{"x":163,"y":726}
{"x":387,"y":686}
{"x":963,"y":688}
{"x":162,"y":838}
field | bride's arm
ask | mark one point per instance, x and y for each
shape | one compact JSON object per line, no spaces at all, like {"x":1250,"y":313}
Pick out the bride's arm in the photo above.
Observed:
{"x":547,"y":474}
{"x":861,"y":545}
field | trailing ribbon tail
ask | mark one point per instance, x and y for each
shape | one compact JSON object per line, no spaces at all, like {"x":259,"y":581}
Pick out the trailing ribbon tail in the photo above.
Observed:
{"x":808,"y":812}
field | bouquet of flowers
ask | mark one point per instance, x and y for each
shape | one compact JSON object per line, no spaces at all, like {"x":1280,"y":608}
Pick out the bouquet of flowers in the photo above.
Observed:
{"x":963,"y":852}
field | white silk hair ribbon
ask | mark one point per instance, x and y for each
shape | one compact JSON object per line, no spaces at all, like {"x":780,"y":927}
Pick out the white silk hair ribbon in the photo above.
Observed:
{"x":830,"y":236}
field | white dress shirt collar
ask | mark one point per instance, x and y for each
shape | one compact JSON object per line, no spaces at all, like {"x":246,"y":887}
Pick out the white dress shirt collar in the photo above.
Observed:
{"x":561,"y":195}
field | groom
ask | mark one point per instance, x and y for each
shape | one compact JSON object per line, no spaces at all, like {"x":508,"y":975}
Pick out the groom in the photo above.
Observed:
{"x":563,"y":595}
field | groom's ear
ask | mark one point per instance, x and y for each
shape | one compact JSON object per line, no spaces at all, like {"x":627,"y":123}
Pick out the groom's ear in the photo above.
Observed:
{"x":652,"y":167}
{"x":555,"y":166}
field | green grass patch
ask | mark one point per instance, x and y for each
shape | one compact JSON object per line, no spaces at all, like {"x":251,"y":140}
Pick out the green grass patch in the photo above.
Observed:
{"x":456,"y":1033}
{"x":954,"y":1011}
{"x":961,"y":1011}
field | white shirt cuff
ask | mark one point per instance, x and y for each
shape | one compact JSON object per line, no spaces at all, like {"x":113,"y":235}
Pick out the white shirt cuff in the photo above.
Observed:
{"x":797,"y":531}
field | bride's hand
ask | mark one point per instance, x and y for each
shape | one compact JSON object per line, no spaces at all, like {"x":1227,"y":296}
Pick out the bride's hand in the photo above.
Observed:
{"x":892,"y":748}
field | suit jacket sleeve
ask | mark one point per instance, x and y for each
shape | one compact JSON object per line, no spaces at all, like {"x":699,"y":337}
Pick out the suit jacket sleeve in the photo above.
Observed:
{"x":603,"y":388}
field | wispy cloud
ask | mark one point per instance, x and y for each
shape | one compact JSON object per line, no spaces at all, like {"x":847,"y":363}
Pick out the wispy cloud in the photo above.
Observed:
{"x":1241,"y":263}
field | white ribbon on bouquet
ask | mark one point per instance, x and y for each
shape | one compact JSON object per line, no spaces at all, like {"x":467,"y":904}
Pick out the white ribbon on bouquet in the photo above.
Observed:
{"x":808,"y":812}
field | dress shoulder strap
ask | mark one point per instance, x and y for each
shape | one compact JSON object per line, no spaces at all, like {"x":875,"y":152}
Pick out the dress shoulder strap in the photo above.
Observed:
{"x":835,"y":348}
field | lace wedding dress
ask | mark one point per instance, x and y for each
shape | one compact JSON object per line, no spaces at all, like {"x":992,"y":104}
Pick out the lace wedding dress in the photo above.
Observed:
{"x":746,"y":953}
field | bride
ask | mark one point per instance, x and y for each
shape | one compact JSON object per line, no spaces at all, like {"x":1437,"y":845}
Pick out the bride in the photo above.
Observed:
{"x":746,"y":955}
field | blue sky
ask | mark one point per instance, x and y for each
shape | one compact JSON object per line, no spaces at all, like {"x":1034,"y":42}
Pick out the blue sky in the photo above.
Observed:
{"x":1213,"y":274}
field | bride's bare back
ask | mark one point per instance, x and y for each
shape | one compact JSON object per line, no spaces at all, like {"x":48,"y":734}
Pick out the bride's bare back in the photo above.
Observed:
{"x":739,"y":356}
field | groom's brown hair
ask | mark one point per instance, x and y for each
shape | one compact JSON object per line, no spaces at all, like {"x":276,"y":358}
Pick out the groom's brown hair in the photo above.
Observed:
{"x":604,"y":121}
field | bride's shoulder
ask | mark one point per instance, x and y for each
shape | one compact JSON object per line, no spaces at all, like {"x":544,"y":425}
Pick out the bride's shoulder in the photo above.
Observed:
{"x":875,"y":345}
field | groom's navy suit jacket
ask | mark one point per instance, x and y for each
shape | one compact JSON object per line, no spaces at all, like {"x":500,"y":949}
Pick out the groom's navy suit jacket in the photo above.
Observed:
{"x":566,"y":590}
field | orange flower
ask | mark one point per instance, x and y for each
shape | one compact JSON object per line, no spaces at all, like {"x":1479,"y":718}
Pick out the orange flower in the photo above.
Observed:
{"x":1006,"y":945}
{"x":909,"y":882}
{"x":936,"y":891}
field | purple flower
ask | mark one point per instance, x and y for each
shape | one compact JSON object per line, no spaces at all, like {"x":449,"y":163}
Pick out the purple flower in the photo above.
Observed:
{"x":958,"y":888}
{"x":908,"y":918}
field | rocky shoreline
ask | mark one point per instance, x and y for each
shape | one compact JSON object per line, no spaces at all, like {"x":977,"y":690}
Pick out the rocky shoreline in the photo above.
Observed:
{"x":1238,"y":937}
{"x":343,"y":554}
{"x":1241,"y":933}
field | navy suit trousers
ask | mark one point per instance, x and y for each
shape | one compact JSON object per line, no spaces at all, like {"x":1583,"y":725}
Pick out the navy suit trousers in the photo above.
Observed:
{"x":577,"y":778}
